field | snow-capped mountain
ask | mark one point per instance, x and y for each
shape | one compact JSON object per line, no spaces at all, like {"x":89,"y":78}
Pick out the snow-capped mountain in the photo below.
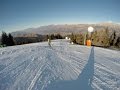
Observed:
{"x":67,"y":29}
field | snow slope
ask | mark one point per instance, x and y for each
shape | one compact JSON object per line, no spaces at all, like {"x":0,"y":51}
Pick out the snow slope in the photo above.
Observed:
{"x":60,"y":67}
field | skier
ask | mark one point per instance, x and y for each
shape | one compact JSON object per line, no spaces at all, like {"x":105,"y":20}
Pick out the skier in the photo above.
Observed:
{"x":49,"y":42}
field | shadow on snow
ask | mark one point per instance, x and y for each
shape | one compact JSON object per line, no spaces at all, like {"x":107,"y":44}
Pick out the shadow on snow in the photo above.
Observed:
{"x":84,"y":80}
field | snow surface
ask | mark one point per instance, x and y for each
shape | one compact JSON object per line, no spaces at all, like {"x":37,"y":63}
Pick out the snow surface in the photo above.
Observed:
{"x":60,"y":67}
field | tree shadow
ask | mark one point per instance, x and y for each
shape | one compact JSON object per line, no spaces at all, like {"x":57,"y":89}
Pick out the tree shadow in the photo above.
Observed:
{"x":84,"y":80}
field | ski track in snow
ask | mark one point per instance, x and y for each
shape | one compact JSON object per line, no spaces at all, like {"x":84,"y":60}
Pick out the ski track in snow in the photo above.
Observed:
{"x":60,"y":67}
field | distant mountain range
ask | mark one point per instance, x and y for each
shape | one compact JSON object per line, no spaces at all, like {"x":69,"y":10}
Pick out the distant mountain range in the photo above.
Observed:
{"x":65,"y":29}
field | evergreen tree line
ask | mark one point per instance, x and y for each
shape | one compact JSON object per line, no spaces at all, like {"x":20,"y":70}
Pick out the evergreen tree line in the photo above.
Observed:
{"x":7,"y":39}
{"x":54,"y":36}
{"x":100,"y":38}
{"x":39,"y":38}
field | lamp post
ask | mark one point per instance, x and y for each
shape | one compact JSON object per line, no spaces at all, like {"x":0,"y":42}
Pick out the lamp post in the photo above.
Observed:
{"x":90,"y":30}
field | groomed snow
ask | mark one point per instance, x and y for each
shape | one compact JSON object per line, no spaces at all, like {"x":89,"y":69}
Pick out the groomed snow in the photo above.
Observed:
{"x":60,"y":67}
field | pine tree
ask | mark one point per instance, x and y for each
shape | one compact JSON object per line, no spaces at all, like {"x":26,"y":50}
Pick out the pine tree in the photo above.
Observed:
{"x":101,"y":38}
{"x":113,"y":39}
{"x":118,"y":42}
{"x":7,"y":40}
{"x":10,"y":40}
{"x":79,"y":39}
{"x":105,"y":40}
{"x":73,"y":38}
{"x":4,"y":39}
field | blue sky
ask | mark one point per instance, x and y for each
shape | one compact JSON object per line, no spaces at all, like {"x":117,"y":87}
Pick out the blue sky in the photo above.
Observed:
{"x":21,"y":14}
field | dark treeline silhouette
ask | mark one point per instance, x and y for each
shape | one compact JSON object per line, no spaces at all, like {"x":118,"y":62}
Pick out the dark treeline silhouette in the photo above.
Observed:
{"x":7,"y":40}
{"x":54,"y":36}
{"x":36,"y":38}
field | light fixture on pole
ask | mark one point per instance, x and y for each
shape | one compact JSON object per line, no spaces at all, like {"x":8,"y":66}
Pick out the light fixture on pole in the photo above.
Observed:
{"x":90,"y":30}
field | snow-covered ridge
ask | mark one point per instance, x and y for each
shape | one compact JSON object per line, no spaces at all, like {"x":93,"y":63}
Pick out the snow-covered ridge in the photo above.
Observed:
{"x":60,"y":67}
